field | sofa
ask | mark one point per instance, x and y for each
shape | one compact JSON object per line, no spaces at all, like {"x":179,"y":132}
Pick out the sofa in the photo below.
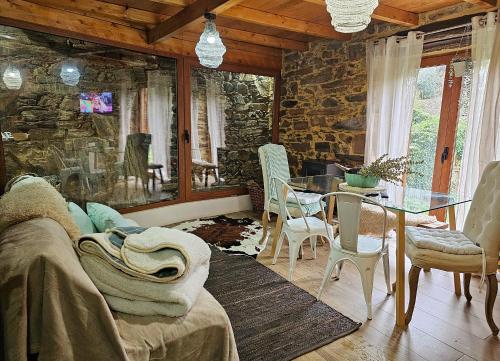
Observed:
{"x":51,"y":310}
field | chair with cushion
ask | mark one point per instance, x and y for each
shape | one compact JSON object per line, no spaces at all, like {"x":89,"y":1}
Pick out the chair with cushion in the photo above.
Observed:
{"x":297,"y":229}
{"x":364,"y":251}
{"x":274,"y":162}
{"x":475,"y":250}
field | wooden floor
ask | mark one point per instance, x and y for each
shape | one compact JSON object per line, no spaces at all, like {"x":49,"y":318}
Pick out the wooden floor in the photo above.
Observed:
{"x":443,"y":328}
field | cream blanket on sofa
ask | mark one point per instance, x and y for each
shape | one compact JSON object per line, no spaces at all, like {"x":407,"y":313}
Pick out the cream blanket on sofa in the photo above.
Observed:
{"x":156,"y":271}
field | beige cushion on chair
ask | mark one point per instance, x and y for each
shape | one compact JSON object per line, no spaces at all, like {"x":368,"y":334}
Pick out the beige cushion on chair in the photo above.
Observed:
{"x":428,"y":258}
{"x":442,"y":240}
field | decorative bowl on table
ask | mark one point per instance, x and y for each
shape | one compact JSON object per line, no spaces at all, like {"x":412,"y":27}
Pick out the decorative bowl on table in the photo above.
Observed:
{"x":360,"y":181}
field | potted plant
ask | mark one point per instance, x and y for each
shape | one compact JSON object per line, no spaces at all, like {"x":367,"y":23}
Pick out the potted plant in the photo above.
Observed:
{"x":388,"y":169}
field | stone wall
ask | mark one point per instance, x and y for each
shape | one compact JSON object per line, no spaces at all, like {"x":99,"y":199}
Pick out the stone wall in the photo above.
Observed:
{"x":323,"y":100}
{"x":324,"y":89}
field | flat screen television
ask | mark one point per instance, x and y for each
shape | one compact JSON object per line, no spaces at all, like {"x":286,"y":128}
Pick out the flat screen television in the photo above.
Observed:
{"x":96,"y":102}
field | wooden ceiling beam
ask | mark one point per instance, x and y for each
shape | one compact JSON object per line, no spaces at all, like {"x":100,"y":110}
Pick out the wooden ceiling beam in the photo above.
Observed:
{"x":393,"y":15}
{"x":142,"y":19}
{"x":27,"y":15}
{"x":386,"y":13}
{"x":258,"y":17}
{"x":187,"y":16}
{"x":483,"y":3}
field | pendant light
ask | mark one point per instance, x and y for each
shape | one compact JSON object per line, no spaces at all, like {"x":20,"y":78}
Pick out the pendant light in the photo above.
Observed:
{"x":12,"y":78}
{"x":210,"y":49}
{"x":70,"y":74}
{"x":350,"y":16}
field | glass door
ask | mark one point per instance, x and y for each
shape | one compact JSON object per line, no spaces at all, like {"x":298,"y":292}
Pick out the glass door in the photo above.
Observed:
{"x":438,"y":126}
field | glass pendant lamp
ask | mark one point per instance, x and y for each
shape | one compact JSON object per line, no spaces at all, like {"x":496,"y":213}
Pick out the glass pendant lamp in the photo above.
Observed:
{"x":12,"y":78}
{"x":210,"y":49}
{"x":350,"y":16}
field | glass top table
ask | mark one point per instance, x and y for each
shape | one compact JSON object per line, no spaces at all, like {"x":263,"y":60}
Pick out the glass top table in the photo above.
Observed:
{"x":400,"y":200}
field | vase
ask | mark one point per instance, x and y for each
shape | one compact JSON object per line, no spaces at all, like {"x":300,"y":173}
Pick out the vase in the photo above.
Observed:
{"x":361,"y":181}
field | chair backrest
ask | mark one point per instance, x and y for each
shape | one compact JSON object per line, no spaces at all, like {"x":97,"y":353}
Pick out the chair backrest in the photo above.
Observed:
{"x":482,"y":224}
{"x":349,"y":211}
{"x":280,"y":188}
{"x":136,"y":155}
{"x":274,"y":163}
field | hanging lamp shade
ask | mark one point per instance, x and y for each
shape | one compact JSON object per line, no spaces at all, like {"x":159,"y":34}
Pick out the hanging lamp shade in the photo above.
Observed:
{"x":12,"y":78}
{"x":70,"y":74}
{"x":210,"y":49}
{"x":350,"y":16}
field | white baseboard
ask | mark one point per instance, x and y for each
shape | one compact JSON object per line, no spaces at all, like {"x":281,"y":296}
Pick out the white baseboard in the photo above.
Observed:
{"x":191,"y":210}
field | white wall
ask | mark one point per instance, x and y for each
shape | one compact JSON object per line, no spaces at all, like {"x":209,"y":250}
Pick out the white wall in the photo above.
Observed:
{"x":192,"y":210}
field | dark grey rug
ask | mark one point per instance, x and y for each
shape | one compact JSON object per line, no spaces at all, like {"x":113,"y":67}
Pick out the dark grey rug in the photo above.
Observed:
{"x":272,"y":319}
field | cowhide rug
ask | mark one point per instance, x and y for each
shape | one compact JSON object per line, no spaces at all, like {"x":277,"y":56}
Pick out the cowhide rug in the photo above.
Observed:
{"x":231,"y":235}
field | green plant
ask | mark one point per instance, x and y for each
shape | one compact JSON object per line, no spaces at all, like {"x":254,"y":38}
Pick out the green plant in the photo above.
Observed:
{"x":388,"y":169}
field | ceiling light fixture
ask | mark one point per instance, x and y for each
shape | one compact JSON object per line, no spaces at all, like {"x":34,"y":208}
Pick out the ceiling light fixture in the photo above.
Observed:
{"x":210,"y":49}
{"x":12,"y":78}
{"x":350,"y":16}
{"x":70,"y":74}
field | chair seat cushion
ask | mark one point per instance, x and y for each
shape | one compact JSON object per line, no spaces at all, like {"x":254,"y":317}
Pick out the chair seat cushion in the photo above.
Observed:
{"x":367,"y":245}
{"x":316,"y":225}
{"x":442,"y":240}
{"x":428,"y":258}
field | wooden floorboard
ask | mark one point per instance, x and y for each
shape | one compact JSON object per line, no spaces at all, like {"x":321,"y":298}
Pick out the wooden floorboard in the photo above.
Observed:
{"x":443,"y":328}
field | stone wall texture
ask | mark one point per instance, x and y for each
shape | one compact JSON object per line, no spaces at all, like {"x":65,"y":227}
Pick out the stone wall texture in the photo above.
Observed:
{"x":324,"y":94}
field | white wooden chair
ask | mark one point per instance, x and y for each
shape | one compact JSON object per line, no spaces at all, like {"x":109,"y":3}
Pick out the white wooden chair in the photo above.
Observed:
{"x":364,"y":251}
{"x":296,"y":230}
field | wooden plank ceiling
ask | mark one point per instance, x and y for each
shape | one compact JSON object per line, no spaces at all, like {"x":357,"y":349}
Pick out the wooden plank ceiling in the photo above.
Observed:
{"x":254,"y":31}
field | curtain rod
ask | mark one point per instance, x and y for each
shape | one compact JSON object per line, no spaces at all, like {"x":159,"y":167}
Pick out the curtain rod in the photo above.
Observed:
{"x":424,"y":34}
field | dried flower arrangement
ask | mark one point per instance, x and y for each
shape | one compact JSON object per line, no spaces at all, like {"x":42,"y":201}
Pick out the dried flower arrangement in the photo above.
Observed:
{"x":389,"y":169}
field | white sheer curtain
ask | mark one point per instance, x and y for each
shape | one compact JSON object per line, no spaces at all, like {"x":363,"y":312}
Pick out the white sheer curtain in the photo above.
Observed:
{"x":160,"y":114}
{"x":483,"y":120}
{"x":393,"y":66}
{"x":195,"y":138}
{"x":126,"y":102}
{"x":216,"y":116}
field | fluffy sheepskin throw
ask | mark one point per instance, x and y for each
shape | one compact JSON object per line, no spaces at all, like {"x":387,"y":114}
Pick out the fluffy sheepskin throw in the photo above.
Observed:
{"x":372,"y":215}
{"x":34,"y":197}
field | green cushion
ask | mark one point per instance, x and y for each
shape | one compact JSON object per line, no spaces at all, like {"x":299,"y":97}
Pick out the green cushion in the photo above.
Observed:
{"x":105,"y":217}
{"x":81,"y":219}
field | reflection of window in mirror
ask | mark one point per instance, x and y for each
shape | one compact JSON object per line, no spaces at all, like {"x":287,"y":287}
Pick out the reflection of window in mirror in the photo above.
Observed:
{"x":231,"y":117}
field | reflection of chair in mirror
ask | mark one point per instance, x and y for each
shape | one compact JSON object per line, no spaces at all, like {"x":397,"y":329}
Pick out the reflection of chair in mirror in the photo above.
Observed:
{"x":136,"y":159}
{"x":73,"y":181}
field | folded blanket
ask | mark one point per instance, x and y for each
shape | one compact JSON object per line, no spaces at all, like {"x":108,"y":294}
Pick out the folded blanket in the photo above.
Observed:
{"x":156,"y":254}
{"x":128,"y":294}
{"x":156,"y":248}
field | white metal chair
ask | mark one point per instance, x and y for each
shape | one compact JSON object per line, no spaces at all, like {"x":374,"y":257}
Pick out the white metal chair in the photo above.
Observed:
{"x":364,"y":251}
{"x":296,"y":230}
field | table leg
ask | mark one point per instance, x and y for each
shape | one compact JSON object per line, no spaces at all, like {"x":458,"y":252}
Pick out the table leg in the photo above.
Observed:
{"x":453,"y":227}
{"x":400,"y":270}
{"x":277,"y":232}
{"x":279,"y":226}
